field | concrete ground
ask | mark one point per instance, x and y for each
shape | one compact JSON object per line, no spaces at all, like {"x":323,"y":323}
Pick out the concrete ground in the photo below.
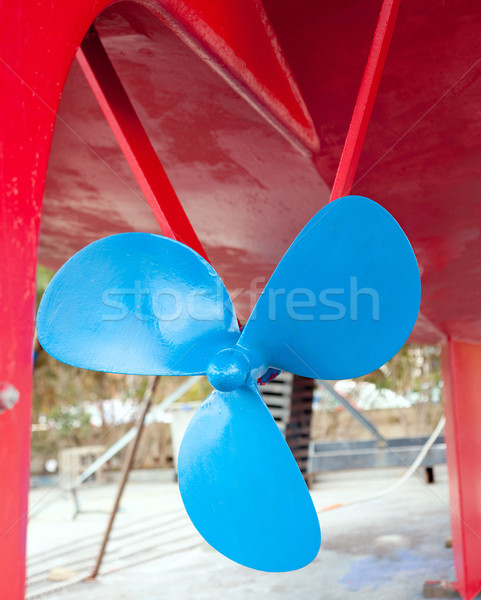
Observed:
{"x":381,"y":549}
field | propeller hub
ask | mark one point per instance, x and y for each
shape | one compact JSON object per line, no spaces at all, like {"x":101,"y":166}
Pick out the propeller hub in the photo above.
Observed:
{"x":228,"y":370}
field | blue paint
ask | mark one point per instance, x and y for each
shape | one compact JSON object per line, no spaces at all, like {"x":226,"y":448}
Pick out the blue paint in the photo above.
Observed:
{"x":137,"y":303}
{"x":229,"y":370}
{"x":373,"y":572}
{"x":341,"y":303}
{"x":344,"y":298}
{"x":241,"y":486}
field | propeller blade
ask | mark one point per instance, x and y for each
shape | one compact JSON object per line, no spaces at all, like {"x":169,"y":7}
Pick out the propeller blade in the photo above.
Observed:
{"x":137,"y":303}
{"x":344,"y":298}
{"x":241,"y":485}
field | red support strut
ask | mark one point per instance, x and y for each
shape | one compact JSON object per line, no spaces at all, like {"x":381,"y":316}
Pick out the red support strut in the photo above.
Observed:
{"x":134,"y":142}
{"x":462,"y":405}
{"x":365,"y":99}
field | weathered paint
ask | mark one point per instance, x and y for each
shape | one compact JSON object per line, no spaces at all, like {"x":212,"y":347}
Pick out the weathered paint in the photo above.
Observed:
{"x":134,"y":142}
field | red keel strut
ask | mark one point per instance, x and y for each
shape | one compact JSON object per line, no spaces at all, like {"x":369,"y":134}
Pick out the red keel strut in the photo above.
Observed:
{"x":365,"y":99}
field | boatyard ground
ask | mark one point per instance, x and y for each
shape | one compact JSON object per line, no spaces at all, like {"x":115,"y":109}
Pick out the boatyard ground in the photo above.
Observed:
{"x":383,"y":549}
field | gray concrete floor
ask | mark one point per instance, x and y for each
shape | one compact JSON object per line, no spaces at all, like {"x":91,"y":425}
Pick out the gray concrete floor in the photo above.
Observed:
{"x":381,"y":549}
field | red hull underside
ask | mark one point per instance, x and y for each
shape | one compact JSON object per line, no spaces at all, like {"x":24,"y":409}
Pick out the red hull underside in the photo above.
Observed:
{"x":248,"y":188}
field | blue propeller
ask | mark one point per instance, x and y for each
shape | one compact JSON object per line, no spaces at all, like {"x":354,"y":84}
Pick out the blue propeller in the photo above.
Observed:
{"x":341,"y":302}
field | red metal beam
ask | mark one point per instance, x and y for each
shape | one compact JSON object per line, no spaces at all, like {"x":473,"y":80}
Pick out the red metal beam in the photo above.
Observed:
{"x":17,"y":297}
{"x":34,"y":59}
{"x":462,"y":405}
{"x":134,"y":142}
{"x":365,"y":99}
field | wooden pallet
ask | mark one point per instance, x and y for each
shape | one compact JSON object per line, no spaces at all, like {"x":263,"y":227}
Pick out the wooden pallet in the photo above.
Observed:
{"x":289,"y":399}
